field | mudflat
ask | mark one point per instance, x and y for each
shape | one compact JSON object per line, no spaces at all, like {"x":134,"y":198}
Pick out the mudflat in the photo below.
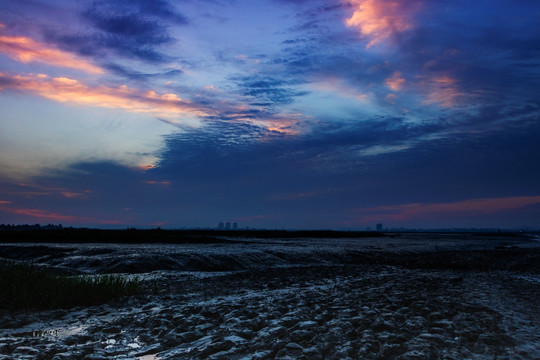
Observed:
{"x":412,"y":296}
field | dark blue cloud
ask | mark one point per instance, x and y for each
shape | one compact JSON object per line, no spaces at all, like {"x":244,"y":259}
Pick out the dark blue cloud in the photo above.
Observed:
{"x":134,"y":29}
{"x":231,"y":170}
{"x":110,"y":14}
{"x":126,"y":72}
{"x":225,"y":146}
{"x":268,"y":91}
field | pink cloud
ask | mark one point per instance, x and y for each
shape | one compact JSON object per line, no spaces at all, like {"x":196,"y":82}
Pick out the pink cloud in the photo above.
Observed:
{"x":55,"y":217}
{"x":395,"y":82}
{"x":27,"y":50}
{"x":166,"y":105}
{"x":378,"y":20}
{"x":66,"y":90}
{"x":467,"y":207}
{"x":75,"y":195}
{"x":443,"y":90}
{"x":153,"y":182}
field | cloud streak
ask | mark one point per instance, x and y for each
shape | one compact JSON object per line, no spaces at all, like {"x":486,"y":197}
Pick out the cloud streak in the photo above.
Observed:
{"x":66,"y":90}
{"x":404,"y":212}
{"x":27,"y":50}
{"x":168,"y":107}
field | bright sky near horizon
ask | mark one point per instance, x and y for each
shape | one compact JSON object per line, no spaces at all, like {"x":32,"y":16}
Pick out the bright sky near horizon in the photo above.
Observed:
{"x":298,"y":114}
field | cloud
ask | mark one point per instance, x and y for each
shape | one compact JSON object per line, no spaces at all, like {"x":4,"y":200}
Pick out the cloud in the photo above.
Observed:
{"x":158,"y":182}
{"x":167,"y":107}
{"x":472,"y":207}
{"x":72,"y":91}
{"x":339,"y":86}
{"x":395,"y":82}
{"x":161,"y":9}
{"x":27,"y":50}
{"x":443,"y":90}
{"x":133,"y":29}
{"x":379,"y":20}
{"x":137,"y":75}
{"x":268,"y":91}
{"x":223,"y":171}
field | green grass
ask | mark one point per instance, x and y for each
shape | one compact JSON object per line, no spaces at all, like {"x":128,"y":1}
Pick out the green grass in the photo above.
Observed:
{"x":28,"y":287}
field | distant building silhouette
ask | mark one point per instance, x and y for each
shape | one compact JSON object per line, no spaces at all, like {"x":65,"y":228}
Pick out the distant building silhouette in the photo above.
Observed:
{"x":221,"y":225}
{"x":227,"y":226}
{"x":235,"y":226}
{"x":379,"y":227}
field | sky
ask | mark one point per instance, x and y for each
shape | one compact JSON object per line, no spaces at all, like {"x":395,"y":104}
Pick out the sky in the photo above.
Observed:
{"x":319,"y":114}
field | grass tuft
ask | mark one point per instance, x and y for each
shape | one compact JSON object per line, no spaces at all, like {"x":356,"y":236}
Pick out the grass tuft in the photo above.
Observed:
{"x":25,"y":286}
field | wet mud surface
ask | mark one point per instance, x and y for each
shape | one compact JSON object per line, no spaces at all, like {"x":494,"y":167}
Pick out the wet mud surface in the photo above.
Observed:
{"x":458,"y":304}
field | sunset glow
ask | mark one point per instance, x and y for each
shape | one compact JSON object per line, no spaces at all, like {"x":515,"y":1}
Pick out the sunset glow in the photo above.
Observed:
{"x":27,"y":50}
{"x":284,"y":114}
{"x":471,"y":207}
{"x":63,"y":89}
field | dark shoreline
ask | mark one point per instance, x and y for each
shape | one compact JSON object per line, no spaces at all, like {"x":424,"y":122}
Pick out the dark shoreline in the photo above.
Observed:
{"x":208,"y":236}
{"x":133,"y":236}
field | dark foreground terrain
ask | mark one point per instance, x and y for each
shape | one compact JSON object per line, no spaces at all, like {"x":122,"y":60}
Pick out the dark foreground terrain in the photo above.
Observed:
{"x":411,"y":297}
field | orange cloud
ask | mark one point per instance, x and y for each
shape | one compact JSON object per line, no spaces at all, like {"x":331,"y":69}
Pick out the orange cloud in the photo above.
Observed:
{"x":378,"y":20}
{"x":286,"y":125}
{"x":4,"y":201}
{"x":167,"y":106}
{"x":466,"y":207}
{"x":145,"y":167}
{"x":67,"y":90}
{"x":395,"y":82}
{"x":27,"y":50}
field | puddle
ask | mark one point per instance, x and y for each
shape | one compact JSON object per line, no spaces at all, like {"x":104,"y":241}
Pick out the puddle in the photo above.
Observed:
{"x":51,"y":332}
{"x":148,"y":357}
{"x":39,"y":333}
